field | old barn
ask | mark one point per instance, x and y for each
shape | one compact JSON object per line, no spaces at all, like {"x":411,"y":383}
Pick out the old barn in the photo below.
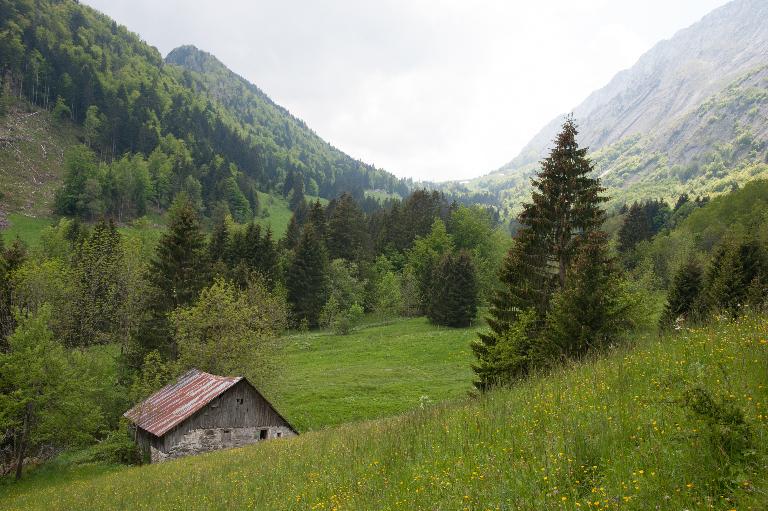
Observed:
{"x":204,"y":412}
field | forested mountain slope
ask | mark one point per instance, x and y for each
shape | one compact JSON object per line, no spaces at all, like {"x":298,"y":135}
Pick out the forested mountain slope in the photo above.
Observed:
{"x":698,"y":99}
{"x":327,"y":170}
{"x":86,"y":69}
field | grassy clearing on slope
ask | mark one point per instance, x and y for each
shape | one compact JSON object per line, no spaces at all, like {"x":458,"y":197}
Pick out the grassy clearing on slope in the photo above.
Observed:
{"x":611,"y":433}
{"x":25,"y":228}
{"x":28,"y":229}
{"x":374,"y":372}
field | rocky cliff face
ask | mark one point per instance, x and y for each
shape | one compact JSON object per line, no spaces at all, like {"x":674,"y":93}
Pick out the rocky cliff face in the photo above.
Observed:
{"x":672,"y":102}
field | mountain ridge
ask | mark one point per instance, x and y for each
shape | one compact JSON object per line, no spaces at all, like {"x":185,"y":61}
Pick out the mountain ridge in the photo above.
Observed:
{"x":653,"y":101}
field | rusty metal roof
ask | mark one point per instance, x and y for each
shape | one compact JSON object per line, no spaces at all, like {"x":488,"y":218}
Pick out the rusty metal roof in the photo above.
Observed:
{"x":174,"y":403}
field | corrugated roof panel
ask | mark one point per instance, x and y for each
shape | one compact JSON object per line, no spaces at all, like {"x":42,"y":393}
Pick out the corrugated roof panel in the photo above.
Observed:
{"x":174,"y":403}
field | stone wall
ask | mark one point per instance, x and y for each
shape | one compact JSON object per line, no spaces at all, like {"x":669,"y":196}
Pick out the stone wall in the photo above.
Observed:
{"x":199,"y":441}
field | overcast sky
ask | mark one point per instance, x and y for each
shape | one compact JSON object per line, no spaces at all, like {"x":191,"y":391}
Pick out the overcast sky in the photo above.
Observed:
{"x":429,"y":89}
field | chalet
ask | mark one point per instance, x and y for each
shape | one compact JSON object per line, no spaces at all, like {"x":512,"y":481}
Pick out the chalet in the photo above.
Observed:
{"x":204,"y":412}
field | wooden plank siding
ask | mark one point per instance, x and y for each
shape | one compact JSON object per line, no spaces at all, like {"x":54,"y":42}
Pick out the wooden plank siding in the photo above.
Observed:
{"x":239,"y":407}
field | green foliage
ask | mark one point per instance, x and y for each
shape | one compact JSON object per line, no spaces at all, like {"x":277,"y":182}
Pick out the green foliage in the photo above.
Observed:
{"x":388,"y":301}
{"x":684,"y":294}
{"x":643,"y":221}
{"x":472,"y":229}
{"x":43,"y":399}
{"x":347,"y":237}
{"x":61,"y":111}
{"x":564,"y":213}
{"x":155,"y":373}
{"x":232,"y":332}
{"x":81,"y":193}
{"x":342,"y":320}
{"x":306,"y":279}
{"x":99,"y":288}
{"x":343,"y":310}
{"x":503,"y":358}
{"x":736,"y":277}
{"x":727,"y":434}
{"x":453,"y":294}
{"x":593,"y":310}
{"x":424,"y":257}
{"x":176,"y":274}
{"x":117,"y":448}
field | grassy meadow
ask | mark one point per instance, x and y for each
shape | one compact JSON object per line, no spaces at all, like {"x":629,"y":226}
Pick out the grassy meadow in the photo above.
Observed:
{"x":670,"y":423}
{"x":376,"y":371}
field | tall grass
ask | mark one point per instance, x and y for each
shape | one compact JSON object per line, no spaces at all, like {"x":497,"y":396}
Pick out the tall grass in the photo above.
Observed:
{"x":615,"y":432}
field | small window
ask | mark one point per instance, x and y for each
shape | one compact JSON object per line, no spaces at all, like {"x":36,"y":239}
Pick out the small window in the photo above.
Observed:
{"x":279,"y":434}
{"x":263,"y":434}
{"x":239,"y":400}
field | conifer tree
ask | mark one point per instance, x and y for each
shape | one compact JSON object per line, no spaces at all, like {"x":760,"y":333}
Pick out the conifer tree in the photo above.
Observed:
{"x":292,"y":234}
{"x":306,"y":279}
{"x":99,"y":289}
{"x":737,"y":276}
{"x":218,"y":246}
{"x":453,"y":297}
{"x":347,"y":236}
{"x":564,"y":211}
{"x":684,"y":294}
{"x":176,"y":274}
{"x":269,"y":258}
{"x":590,"y":311}
{"x":316,"y":217}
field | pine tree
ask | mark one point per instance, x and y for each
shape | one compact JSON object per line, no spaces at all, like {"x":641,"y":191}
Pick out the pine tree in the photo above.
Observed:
{"x":218,"y":246}
{"x":684,"y":294}
{"x":176,"y":274}
{"x":453,"y":297}
{"x":269,"y":258}
{"x":292,"y":234}
{"x":316,"y":218}
{"x":564,"y":211}
{"x":99,"y":289}
{"x":737,"y":276}
{"x":590,"y":311}
{"x":297,"y":194}
{"x":306,"y":279}
{"x":347,"y":236}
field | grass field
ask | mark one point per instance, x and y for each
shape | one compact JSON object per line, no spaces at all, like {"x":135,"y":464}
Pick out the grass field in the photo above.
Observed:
{"x":617,"y":432}
{"x":374,"y":372}
{"x":25,"y":228}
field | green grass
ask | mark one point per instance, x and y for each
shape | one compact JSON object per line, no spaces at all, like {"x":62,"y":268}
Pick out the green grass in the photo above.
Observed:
{"x":146,"y":231}
{"x":374,"y":372}
{"x":607,"y":433}
{"x":25,"y":228}
{"x":274,"y":212}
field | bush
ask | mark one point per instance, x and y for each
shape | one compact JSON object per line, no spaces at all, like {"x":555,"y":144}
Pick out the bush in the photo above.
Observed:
{"x":117,"y":448}
{"x":727,"y":434}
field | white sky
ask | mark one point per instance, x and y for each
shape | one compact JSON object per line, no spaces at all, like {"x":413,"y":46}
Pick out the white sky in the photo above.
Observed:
{"x":427,"y":89}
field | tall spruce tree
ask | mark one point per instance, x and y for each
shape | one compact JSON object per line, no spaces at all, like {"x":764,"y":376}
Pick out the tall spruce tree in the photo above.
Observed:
{"x":347,"y":235}
{"x":453,"y":297}
{"x":307,"y":279}
{"x":565,"y":209}
{"x":176,"y":274}
{"x":99,"y":287}
{"x":684,"y":294}
{"x":737,"y":276}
